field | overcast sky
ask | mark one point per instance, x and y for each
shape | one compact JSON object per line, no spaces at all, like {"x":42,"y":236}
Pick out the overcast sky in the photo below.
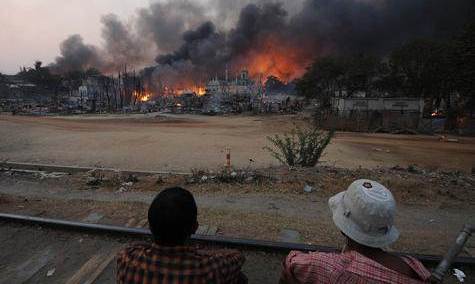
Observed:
{"x":32,"y":29}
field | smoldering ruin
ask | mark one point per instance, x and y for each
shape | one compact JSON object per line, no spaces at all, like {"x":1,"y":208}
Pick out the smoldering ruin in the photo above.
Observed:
{"x":251,"y":56}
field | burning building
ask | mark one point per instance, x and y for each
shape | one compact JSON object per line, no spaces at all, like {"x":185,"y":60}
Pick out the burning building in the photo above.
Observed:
{"x":184,"y":43}
{"x":230,"y":94}
{"x":239,"y":85}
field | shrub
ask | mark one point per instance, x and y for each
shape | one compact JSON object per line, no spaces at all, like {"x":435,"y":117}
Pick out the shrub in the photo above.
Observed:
{"x":300,"y":147}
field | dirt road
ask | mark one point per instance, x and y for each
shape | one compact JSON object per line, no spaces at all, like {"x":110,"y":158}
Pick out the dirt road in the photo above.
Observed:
{"x":428,"y":217}
{"x":182,"y":142}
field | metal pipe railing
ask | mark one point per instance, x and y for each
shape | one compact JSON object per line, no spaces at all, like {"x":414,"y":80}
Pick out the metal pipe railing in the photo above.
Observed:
{"x":261,"y":245}
{"x":441,"y":270}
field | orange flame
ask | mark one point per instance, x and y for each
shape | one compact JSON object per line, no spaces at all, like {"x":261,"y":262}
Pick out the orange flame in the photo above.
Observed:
{"x":142,"y":96}
{"x":276,"y":59}
{"x":272,"y":57}
{"x":199,"y":91}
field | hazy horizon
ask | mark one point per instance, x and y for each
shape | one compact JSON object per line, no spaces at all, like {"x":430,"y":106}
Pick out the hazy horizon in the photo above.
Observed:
{"x":33,"y":29}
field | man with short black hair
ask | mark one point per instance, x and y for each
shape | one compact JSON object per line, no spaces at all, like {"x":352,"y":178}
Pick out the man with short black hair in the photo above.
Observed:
{"x":172,"y":218}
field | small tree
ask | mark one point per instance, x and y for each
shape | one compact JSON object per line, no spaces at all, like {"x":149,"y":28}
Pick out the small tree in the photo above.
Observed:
{"x":300,"y":147}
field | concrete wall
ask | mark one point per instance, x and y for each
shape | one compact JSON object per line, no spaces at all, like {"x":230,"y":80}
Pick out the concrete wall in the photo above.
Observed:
{"x":369,"y":121}
{"x":378,"y":104}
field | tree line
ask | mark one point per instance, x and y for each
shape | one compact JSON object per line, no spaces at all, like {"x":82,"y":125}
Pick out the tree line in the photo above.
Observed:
{"x":437,"y":70}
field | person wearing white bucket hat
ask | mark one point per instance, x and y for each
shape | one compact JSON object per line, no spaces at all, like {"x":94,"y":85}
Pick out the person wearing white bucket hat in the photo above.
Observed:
{"x":364,"y":213}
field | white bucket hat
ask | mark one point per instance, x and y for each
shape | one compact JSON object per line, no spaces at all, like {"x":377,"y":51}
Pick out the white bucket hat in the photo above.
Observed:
{"x":365,"y":213}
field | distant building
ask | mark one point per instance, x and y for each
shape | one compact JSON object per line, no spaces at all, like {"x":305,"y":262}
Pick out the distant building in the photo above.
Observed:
{"x":414,"y":105}
{"x":240,"y":85}
{"x":90,"y":88}
{"x":87,"y":96}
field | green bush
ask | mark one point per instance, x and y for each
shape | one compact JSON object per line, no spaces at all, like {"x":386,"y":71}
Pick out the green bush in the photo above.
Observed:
{"x":300,"y":147}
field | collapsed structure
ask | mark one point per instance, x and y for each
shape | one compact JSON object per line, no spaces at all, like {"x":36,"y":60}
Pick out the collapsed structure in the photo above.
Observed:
{"x":231,"y":94}
{"x":235,"y":93}
{"x":240,"y":85}
{"x":17,"y":94}
{"x":228,"y":93}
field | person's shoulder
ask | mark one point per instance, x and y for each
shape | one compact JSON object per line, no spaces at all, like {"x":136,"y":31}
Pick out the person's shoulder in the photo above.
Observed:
{"x":222,"y":255}
{"x":222,"y":265}
{"x":418,"y":267}
{"x":310,"y":267}
{"x":314,"y":259}
{"x":134,"y":248}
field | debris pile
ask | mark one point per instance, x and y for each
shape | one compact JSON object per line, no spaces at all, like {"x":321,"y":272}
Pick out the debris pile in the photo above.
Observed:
{"x":98,"y":177}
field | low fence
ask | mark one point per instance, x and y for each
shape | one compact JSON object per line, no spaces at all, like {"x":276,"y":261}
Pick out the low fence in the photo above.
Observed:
{"x":392,"y":122}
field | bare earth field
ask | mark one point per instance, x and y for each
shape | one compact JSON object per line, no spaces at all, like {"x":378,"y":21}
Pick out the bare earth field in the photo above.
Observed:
{"x":183,"y":142}
{"x":435,"y":198}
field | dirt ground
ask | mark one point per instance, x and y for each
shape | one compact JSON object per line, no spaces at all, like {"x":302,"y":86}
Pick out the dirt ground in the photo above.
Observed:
{"x":183,"y":142}
{"x":435,"y":198}
{"x":432,"y":206}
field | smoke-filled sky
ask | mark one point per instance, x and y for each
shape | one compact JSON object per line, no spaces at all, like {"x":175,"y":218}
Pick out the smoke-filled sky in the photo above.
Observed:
{"x":188,"y":38}
{"x":32,"y":30}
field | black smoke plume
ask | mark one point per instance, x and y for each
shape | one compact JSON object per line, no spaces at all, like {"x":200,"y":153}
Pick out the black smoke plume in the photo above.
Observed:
{"x":321,"y":27}
{"x":75,"y":55}
{"x":191,"y":40}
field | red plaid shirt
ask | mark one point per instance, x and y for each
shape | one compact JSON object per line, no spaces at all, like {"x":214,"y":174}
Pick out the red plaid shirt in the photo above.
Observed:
{"x":151,"y":264}
{"x":348,"y":267}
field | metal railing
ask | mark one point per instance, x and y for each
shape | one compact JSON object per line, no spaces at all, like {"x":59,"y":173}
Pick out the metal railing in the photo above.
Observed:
{"x":441,"y":270}
{"x":247,"y":244}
